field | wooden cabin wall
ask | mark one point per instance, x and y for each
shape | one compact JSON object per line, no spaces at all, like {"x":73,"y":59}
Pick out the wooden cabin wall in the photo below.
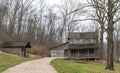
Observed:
{"x":16,"y":51}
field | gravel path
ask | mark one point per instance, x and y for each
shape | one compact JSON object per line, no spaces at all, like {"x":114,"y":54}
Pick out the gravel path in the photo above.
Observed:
{"x":36,"y":66}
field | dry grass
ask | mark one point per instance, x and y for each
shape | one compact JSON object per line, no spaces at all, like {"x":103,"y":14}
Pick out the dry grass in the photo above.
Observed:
{"x":9,"y":60}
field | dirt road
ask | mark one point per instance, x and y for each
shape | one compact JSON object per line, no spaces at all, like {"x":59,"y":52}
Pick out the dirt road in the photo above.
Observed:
{"x":36,"y":66}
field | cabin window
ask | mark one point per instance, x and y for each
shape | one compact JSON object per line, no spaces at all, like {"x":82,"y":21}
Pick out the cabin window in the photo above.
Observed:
{"x":83,"y":51}
{"x":81,"y":40}
{"x":22,"y":49}
{"x":91,"y":40}
{"x":86,"y":41}
{"x":75,"y":41}
{"x":74,"y":53}
{"x":91,"y":51}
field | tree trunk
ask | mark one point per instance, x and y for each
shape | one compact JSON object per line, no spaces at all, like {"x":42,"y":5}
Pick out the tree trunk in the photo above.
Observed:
{"x":117,"y":47}
{"x":101,"y":43}
{"x":110,"y":44}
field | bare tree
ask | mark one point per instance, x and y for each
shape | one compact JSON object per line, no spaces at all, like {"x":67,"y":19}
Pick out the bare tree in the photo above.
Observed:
{"x":40,"y":22}
{"x":23,"y":8}
{"x":3,"y":10}
{"x":109,"y":9}
{"x":12,"y":19}
{"x":116,"y":39}
{"x":100,"y":17}
{"x":70,"y":12}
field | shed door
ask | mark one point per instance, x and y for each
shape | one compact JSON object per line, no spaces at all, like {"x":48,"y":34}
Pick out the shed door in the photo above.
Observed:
{"x":23,"y":52}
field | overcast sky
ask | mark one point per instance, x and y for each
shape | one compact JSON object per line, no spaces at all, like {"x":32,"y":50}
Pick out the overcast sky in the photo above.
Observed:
{"x":53,"y":2}
{"x":50,"y":2}
{"x":59,"y":2}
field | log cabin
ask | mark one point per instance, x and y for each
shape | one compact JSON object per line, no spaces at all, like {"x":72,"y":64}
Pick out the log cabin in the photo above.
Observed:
{"x":80,"y":45}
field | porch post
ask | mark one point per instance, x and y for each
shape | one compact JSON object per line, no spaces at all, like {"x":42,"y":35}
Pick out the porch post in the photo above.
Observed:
{"x":24,"y":51}
{"x":69,"y":53}
{"x":78,"y":54}
{"x":88,"y":53}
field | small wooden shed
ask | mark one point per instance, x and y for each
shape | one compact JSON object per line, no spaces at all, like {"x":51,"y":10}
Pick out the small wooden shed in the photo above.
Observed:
{"x":19,"y":48}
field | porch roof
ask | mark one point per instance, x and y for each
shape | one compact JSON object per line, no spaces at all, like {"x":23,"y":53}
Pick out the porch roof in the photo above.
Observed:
{"x":82,"y":46}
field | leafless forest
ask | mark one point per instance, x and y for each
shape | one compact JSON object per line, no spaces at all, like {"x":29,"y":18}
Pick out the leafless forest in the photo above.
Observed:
{"x":43,"y":25}
{"x":46,"y":26}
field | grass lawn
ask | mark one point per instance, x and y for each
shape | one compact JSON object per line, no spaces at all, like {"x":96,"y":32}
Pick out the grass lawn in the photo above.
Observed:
{"x":67,"y":66}
{"x":7,"y":60}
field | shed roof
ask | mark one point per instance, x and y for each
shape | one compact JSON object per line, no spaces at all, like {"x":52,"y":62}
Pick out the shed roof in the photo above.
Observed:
{"x":16,"y":44}
{"x":82,"y":46}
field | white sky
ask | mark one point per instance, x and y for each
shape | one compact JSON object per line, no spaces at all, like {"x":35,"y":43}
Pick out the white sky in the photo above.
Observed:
{"x":50,"y":2}
{"x":53,"y":2}
{"x":57,"y":2}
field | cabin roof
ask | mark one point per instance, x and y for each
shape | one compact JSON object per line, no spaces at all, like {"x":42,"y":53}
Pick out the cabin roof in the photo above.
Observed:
{"x":82,"y":46}
{"x":55,"y":47}
{"x":15,"y":44}
{"x":83,"y":35}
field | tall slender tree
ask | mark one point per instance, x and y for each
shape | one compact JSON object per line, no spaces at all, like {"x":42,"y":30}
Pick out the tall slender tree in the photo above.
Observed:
{"x":100,"y":17}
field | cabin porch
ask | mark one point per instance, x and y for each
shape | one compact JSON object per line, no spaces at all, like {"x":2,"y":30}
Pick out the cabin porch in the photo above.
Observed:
{"x":83,"y":53}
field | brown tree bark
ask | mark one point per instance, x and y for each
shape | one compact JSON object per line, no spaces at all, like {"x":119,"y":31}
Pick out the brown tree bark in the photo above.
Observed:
{"x":101,"y":42}
{"x":110,"y":44}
